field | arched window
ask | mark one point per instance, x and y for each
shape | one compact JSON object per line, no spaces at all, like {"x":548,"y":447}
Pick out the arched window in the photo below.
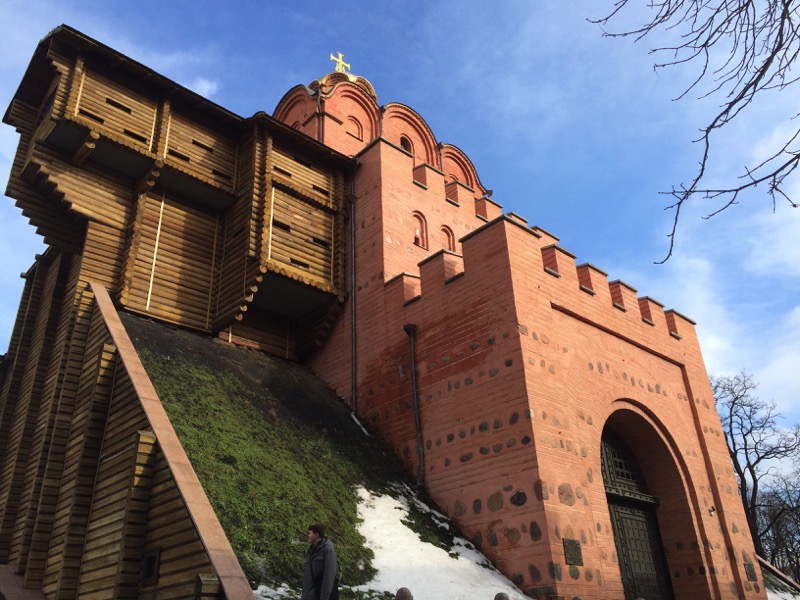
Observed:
{"x":406,"y":144}
{"x":420,"y":230}
{"x":448,"y":239}
{"x":354,"y":128}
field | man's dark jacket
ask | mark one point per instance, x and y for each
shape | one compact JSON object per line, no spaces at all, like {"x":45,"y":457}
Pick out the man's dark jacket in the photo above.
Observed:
{"x":319,"y":579}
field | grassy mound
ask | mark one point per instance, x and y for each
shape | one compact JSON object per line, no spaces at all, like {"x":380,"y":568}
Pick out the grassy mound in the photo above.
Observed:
{"x":274,"y":449}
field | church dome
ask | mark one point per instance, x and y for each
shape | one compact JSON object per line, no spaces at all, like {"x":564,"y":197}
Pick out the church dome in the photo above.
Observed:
{"x":326,"y":84}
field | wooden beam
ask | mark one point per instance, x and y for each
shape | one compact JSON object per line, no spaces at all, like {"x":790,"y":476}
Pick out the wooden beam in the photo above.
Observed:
{"x":149,"y":178}
{"x":86,"y":148}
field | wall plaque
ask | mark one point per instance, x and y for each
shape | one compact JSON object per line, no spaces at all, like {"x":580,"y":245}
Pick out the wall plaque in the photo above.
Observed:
{"x":573,"y":555}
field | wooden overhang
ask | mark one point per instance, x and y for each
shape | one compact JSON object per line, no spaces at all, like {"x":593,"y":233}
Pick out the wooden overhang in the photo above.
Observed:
{"x":84,"y":109}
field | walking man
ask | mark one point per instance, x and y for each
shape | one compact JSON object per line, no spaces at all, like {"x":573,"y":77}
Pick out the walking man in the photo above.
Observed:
{"x":320,"y":580}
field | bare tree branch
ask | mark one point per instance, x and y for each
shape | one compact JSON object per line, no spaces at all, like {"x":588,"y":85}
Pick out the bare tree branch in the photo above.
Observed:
{"x":756,"y":443}
{"x":745,"y":47}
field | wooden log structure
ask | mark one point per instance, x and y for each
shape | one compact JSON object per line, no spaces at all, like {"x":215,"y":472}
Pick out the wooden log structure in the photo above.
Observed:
{"x":179,"y":210}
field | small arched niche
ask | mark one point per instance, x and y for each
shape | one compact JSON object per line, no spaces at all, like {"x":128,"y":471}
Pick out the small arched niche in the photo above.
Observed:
{"x":420,"y":226}
{"x":448,"y":239}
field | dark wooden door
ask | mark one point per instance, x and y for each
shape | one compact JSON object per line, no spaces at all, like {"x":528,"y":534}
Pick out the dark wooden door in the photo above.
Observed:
{"x":633,"y":518}
{"x":641,"y":559}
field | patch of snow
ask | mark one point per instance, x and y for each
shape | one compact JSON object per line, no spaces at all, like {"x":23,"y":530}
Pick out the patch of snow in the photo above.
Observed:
{"x":431,"y":573}
{"x":771,"y":595}
{"x":402,"y":560}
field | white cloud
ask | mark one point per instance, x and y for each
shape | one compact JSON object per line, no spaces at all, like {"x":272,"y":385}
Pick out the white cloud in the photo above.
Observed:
{"x":776,"y":367}
{"x":204,"y":86}
{"x":773,"y":243}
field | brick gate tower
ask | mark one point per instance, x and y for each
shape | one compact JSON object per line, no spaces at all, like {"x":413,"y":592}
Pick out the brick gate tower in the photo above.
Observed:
{"x":565,"y":423}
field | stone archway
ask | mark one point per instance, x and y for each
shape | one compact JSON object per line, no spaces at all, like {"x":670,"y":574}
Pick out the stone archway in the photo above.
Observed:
{"x":642,"y":563}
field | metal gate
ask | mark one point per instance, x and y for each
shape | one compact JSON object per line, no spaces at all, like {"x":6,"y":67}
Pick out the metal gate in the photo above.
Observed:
{"x":641,"y":559}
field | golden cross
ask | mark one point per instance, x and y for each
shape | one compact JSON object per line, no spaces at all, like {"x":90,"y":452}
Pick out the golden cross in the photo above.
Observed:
{"x":341,"y":66}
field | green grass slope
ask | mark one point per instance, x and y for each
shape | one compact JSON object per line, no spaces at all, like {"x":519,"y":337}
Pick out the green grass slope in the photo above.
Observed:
{"x":273,"y":447}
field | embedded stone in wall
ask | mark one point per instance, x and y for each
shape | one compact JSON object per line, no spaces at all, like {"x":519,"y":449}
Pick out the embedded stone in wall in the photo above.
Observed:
{"x":477,"y":506}
{"x":495,"y":501}
{"x":459,"y":510}
{"x":566,"y":495}
{"x":535,"y":531}
{"x":536,"y":576}
{"x":519,"y":499}
{"x":540,"y":489}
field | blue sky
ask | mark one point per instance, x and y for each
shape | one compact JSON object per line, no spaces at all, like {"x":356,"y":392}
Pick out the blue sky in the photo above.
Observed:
{"x":575,"y":132}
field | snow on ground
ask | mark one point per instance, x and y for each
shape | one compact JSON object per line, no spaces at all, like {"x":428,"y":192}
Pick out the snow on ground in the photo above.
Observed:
{"x":431,"y":573}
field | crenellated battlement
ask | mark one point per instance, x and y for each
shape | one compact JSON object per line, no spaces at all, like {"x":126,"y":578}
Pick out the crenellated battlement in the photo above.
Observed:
{"x":581,"y":289}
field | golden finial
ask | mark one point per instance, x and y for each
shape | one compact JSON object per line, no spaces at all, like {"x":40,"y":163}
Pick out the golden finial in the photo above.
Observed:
{"x":341,"y":66}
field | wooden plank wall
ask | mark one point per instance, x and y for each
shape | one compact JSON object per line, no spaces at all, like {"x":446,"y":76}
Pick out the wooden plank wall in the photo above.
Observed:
{"x":242,"y":227}
{"x":171,"y":262}
{"x":116,"y":497}
{"x":100,"y":263}
{"x":38,"y":454}
{"x":182,"y":555}
{"x":63,"y":414}
{"x":127,"y":116}
{"x":112,"y":557}
{"x":27,"y":434}
{"x":302,"y":236}
{"x":266,"y":332}
{"x":44,"y":209}
{"x":94,"y":194}
{"x":17,"y":350}
{"x":304,"y":214}
{"x":80,"y":464}
{"x":138,"y":119}
{"x":68,"y":70}
{"x":10,"y":396}
{"x":201,"y":151}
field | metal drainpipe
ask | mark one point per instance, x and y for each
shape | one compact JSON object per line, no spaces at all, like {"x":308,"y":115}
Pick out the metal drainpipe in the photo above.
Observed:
{"x":411,"y":330}
{"x":320,"y":133}
{"x":353,"y":337}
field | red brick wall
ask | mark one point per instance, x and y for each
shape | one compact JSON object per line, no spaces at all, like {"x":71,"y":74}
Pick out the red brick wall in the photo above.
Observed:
{"x":522,"y":360}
